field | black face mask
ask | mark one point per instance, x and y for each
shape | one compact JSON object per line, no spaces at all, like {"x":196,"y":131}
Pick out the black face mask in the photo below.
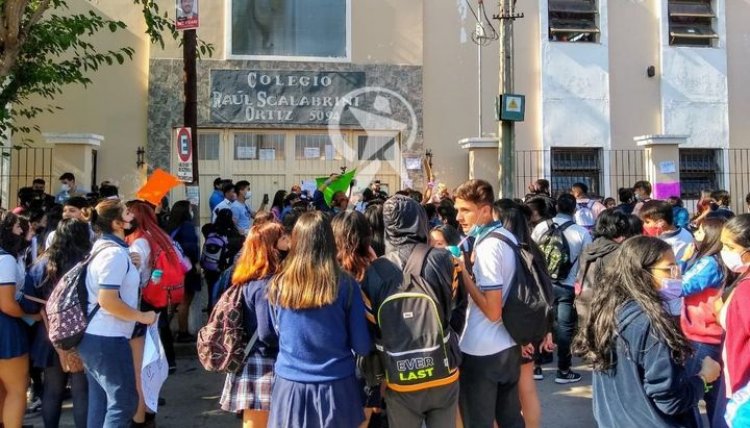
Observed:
{"x":283,"y":254}
{"x":39,"y":230}
{"x":15,"y":244}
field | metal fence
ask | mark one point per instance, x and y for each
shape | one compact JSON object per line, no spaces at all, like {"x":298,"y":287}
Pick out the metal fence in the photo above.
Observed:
{"x":19,"y":166}
{"x":606,"y":171}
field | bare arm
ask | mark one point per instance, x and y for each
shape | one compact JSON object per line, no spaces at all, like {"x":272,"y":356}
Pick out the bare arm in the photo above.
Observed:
{"x":8,"y":304}
{"x":489,"y":302}
{"x":109,"y":300}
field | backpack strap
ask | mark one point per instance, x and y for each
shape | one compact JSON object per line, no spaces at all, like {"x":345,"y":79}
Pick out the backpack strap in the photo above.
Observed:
{"x":517,"y":253}
{"x":566,"y":225}
{"x":415,"y":263}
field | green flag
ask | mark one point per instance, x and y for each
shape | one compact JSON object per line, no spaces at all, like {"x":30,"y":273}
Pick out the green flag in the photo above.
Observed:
{"x":340,"y":184}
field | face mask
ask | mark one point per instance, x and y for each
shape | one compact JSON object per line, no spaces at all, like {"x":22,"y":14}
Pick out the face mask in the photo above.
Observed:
{"x":65,"y":187}
{"x":733,"y":261}
{"x":671,"y":288}
{"x":283,"y":254}
{"x":653,"y":231}
{"x":248,"y":195}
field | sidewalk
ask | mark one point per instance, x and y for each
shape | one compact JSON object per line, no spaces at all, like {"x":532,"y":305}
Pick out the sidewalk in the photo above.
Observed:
{"x":192,"y":396}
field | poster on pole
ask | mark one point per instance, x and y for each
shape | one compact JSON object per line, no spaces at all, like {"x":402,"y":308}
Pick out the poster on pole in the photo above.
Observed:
{"x":155,"y":368}
{"x":187,"y":14}
{"x":184,"y":147}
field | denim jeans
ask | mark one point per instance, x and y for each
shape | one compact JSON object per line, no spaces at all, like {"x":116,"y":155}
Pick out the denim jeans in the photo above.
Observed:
{"x":693,"y":367}
{"x":565,"y":325}
{"x":55,"y":381}
{"x":113,"y":398}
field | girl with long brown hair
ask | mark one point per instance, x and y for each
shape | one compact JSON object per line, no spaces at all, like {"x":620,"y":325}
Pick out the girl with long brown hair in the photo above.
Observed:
{"x":318,"y":312}
{"x":637,"y":350}
{"x":249,"y":390}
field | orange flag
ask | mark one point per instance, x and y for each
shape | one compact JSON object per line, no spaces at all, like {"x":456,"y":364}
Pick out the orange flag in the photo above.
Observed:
{"x":157,"y":186}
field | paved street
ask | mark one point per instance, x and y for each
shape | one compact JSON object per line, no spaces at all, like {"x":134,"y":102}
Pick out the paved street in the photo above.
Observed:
{"x":192,"y":397}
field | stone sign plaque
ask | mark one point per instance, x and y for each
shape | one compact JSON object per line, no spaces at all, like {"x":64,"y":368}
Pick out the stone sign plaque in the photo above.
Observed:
{"x":284,"y":97}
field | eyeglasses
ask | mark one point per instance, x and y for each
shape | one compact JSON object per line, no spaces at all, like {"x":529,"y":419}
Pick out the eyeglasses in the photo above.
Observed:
{"x":674,"y":270}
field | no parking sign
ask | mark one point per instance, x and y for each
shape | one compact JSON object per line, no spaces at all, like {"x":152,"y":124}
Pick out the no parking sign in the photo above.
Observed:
{"x":184,"y":146}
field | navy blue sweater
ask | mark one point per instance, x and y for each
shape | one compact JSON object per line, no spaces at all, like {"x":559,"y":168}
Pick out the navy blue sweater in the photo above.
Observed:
{"x":646,"y":387}
{"x":315,"y":345}
{"x":257,"y":316}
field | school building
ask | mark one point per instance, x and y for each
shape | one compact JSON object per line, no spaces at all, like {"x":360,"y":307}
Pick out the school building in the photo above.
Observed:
{"x":615,"y":91}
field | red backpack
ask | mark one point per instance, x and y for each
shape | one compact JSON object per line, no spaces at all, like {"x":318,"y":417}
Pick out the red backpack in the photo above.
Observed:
{"x":171,"y":288}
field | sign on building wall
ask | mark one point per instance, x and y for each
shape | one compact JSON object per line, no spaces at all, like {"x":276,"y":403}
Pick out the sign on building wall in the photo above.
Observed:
{"x":184,"y":148}
{"x":284,"y":97}
{"x":187,"y":15}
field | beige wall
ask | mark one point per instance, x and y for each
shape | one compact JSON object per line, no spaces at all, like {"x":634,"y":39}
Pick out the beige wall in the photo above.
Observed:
{"x":738,"y":72}
{"x":114,"y":104}
{"x":450,"y":84}
{"x":635,"y":107}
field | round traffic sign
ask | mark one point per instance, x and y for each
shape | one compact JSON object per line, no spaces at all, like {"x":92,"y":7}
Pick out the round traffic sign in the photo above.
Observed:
{"x":184,"y":145}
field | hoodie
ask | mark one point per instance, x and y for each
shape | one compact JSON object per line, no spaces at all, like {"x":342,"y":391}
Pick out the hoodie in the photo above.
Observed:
{"x":646,"y":387}
{"x":594,"y":258}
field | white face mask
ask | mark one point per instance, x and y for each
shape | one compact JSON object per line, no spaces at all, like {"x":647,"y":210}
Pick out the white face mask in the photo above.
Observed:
{"x":733,"y":261}
{"x":65,"y":187}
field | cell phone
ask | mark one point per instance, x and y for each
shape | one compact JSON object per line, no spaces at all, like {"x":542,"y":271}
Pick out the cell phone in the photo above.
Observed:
{"x":265,"y":198}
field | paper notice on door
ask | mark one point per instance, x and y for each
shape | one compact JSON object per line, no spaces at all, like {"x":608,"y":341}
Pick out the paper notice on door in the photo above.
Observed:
{"x":312,"y":152}
{"x":413,"y":164}
{"x":330,"y":152}
{"x":246,"y":152}
{"x":668,"y":167}
{"x":267,"y":154}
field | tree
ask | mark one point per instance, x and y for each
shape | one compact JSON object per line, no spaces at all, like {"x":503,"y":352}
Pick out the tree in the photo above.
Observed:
{"x":43,"y":47}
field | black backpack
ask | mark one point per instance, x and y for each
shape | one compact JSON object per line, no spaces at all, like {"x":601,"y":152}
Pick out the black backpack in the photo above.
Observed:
{"x":416,"y":342}
{"x":527,"y":306}
{"x":556,"y":250}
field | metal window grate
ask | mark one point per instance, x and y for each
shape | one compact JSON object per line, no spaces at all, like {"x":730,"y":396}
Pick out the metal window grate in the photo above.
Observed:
{"x":700,"y":169}
{"x":691,"y":23}
{"x":208,"y":146}
{"x":572,"y":165}
{"x":573,"y":20}
{"x":251,"y":146}
{"x":372,"y":148}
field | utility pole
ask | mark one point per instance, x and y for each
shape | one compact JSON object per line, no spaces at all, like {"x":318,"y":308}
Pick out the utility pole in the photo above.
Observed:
{"x":506,"y":151}
{"x":190,"y":115}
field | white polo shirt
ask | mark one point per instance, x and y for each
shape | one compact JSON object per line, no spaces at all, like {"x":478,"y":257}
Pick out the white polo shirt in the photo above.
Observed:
{"x":494,"y":266}
{"x":12,"y":271}
{"x":111,"y":269}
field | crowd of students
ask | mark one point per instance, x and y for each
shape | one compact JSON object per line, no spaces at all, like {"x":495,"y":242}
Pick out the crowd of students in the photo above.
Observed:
{"x":389,"y":311}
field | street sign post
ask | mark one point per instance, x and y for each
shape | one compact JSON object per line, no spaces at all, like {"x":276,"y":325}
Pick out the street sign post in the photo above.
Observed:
{"x":184,"y":147}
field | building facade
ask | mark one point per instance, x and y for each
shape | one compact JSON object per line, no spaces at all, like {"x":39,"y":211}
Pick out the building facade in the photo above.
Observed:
{"x":298,"y":89}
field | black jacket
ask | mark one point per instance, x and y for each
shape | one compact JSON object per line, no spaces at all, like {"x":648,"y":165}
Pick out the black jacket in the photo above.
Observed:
{"x":594,"y":259}
{"x":646,"y":387}
{"x":405,"y":227}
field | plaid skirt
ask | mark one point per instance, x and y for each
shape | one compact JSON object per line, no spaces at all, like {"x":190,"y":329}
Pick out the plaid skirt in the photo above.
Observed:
{"x":251,"y":388}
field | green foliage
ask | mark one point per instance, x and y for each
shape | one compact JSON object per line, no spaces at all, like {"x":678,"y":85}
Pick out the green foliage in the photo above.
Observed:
{"x":57,"y":50}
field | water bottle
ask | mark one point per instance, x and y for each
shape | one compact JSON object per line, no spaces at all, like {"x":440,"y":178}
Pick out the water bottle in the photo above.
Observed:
{"x":156,"y":276}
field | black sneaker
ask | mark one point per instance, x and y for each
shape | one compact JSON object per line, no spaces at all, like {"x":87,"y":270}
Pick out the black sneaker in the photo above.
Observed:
{"x":567,"y":377}
{"x":538,"y":374}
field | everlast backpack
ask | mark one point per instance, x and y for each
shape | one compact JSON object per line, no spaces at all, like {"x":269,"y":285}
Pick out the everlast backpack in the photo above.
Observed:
{"x":556,"y":250}
{"x":214,"y":252}
{"x":171,"y":288}
{"x":67,"y":306}
{"x":223,"y":343}
{"x":584,"y":215}
{"x":527,"y":303}
{"x":415,"y":342}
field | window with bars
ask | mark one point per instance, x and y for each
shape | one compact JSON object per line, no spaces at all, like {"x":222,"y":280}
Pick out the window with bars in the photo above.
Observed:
{"x":315,"y":147}
{"x":208,"y":146}
{"x":691,"y":23}
{"x":573,"y":165}
{"x":700,"y":169}
{"x":372,"y":148}
{"x":265,"y":147}
{"x":573,"y":20}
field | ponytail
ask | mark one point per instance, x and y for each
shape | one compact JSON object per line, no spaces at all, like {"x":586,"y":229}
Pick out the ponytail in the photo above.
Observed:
{"x":104,"y":214}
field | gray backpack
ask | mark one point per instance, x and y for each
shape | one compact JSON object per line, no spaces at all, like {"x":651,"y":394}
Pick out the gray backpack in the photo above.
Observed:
{"x":67,"y":306}
{"x":415,"y":342}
